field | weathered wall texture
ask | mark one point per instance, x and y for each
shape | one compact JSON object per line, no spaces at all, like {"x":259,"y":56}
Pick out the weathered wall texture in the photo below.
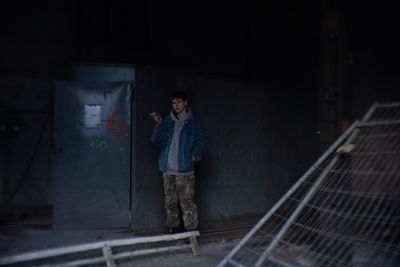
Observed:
{"x":260,"y":140}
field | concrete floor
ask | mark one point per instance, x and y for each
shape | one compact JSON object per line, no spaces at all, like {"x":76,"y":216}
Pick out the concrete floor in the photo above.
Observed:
{"x":212,"y":254}
{"x":34,"y":236}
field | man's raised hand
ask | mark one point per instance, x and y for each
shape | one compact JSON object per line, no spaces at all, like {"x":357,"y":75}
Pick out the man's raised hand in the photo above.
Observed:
{"x":156,"y":116}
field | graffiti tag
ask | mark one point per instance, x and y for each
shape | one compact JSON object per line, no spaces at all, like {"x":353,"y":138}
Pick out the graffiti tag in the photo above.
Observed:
{"x":117,"y":127}
{"x":101,"y":144}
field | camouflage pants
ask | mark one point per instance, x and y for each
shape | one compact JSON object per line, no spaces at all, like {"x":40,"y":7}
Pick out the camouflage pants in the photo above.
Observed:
{"x":179,"y":190}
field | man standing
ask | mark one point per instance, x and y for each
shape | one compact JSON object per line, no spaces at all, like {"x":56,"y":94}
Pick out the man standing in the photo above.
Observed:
{"x":182,"y":142}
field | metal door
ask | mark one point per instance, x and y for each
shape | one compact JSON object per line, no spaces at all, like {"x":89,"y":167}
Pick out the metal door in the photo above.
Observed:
{"x":92,"y":170}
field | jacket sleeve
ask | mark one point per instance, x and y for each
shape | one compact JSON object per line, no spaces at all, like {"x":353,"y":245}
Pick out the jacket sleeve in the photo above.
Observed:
{"x":159,"y":134}
{"x":199,"y":143}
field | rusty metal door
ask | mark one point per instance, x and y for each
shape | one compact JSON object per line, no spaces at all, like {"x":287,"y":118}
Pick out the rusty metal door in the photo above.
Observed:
{"x":92,"y":164}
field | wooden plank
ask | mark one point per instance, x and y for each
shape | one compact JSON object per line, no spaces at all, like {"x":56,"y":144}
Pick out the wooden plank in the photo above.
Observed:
{"x":152,"y":239}
{"x":108,"y":256}
{"x":195,"y":246}
{"x":121,"y":256}
{"x":50,"y":253}
{"x":92,"y":246}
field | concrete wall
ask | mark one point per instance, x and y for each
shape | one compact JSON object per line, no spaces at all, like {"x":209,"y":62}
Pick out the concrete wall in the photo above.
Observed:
{"x":274,"y":42}
{"x":25,"y":142}
{"x":260,"y":140}
{"x":34,"y":37}
{"x":373,"y":56}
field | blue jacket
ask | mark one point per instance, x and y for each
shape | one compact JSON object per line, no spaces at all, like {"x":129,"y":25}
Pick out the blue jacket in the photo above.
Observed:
{"x":192,"y":144}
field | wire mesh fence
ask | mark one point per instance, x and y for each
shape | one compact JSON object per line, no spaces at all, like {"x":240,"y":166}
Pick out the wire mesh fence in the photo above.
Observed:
{"x":344,"y":211}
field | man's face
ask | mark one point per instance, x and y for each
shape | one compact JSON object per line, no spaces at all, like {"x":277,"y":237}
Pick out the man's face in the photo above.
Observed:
{"x":179,"y":105}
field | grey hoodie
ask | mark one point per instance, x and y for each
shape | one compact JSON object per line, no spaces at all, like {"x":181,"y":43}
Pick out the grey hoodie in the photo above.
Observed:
{"x":172,"y":164}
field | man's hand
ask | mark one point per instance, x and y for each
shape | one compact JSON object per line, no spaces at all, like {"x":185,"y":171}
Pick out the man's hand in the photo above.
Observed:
{"x":156,"y":116}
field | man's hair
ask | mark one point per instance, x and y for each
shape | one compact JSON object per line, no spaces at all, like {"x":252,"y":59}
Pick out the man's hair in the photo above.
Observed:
{"x":179,"y":94}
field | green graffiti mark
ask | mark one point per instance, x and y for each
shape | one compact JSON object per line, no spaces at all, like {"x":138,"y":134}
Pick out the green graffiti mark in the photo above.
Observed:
{"x":101,"y":144}
{"x":120,"y":147}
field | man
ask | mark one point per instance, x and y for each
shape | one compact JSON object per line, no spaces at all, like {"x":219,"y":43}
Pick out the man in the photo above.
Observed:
{"x":182,"y":142}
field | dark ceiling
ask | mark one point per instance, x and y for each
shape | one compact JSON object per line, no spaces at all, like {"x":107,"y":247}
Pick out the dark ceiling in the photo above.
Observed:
{"x":268,"y":41}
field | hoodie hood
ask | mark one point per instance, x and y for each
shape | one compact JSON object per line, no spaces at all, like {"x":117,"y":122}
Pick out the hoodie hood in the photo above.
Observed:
{"x":188,"y":115}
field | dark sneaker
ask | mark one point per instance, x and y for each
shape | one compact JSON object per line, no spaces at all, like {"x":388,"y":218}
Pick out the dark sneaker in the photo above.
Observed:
{"x":172,"y":231}
{"x":175,"y":230}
